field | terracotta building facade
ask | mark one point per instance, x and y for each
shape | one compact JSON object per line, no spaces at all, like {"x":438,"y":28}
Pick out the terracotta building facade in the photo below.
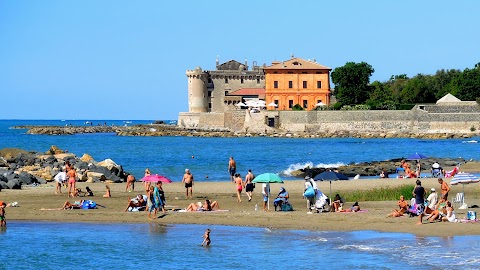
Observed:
{"x":297,"y":81}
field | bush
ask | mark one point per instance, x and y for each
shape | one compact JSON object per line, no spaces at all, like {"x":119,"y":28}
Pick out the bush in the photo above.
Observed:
{"x":337,"y":106}
{"x":297,"y":107}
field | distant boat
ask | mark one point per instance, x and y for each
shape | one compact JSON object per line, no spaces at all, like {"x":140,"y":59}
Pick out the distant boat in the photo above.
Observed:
{"x":128,"y":122}
{"x":87,"y":122}
{"x":471,"y":141}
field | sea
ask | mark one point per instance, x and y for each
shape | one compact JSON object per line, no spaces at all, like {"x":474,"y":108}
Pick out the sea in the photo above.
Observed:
{"x":55,"y":245}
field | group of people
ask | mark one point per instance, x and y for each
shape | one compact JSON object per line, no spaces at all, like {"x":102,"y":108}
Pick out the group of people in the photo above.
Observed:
{"x":432,"y":207}
{"x":67,"y":178}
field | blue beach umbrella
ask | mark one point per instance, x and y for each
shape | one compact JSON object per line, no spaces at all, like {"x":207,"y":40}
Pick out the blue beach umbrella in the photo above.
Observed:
{"x":416,"y":156}
{"x":268,"y":178}
{"x":330,"y":176}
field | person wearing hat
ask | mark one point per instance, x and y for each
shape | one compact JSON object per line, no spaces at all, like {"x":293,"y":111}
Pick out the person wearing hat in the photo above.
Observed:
{"x":282,"y":198}
{"x":432,"y":200}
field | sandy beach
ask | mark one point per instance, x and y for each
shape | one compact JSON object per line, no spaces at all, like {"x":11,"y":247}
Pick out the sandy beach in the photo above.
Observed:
{"x":32,"y":199}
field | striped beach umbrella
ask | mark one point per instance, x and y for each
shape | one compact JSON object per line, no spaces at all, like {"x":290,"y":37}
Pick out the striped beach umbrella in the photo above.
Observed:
{"x":464,"y":178}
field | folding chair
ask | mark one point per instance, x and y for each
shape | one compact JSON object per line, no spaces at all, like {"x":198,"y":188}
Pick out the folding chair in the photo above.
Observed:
{"x":460,"y":199}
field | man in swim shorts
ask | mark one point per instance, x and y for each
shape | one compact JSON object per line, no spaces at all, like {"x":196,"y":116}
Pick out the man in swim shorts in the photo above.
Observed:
{"x":249,"y":184}
{"x":188,"y":181}
{"x":232,"y":168}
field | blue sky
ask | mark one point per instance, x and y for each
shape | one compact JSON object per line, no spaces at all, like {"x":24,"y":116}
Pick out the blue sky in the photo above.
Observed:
{"x":127,"y":59}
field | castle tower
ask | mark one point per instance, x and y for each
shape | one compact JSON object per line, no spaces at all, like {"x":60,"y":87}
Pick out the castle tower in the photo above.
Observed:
{"x":197,"y":90}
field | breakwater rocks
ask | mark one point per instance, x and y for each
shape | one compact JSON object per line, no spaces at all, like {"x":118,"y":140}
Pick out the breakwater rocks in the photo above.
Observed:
{"x":19,"y":167}
{"x":173,"y":130}
{"x":374,"y":168}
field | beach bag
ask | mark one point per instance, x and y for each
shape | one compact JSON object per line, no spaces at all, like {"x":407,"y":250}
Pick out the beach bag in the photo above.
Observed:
{"x":287,"y":207}
{"x":88,"y":204}
{"x":309,"y":193}
{"x":472,"y":215}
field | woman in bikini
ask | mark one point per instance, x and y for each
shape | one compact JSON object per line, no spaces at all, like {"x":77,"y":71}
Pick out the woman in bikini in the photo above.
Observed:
{"x":147,"y":184}
{"x":239,"y":186}
{"x":72,"y":176}
{"x":403,"y":207}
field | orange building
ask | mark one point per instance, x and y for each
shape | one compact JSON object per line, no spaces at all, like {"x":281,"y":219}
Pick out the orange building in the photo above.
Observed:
{"x":297,"y":81}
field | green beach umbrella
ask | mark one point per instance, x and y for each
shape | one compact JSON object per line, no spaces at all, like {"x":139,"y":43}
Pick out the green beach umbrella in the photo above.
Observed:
{"x":268,"y":178}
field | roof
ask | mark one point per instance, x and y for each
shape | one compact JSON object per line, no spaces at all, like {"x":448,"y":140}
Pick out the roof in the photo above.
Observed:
{"x":297,"y":63}
{"x":448,"y":98}
{"x":230,"y":65}
{"x":248,"y":92}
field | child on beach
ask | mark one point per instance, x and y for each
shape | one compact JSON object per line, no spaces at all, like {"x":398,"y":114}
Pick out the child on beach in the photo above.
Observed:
{"x":107,"y":192}
{"x":206,"y":238}
{"x":3,"y":221}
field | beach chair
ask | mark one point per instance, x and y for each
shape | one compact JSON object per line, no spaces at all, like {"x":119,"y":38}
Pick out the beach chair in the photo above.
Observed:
{"x":460,"y":199}
{"x":452,"y":173}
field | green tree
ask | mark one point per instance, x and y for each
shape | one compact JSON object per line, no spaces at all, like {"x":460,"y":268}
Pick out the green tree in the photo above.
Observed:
{"x":418,"y":89}
{"x":466,"y":86}
{"x":442,"y":82}
{"x":382,"y":97}
{"x":352,"y":82}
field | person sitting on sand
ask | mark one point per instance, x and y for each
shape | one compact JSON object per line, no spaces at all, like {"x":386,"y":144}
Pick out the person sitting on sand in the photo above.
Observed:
{"x":207,"y":206}
{"x":403,"y":207}
{"x":75,"y":205}
{"x":336,"y":204}
{"x":440,"y":210}
{"x":107,"y":194}
{"x":432,"y":200}
{"x":89,"y":192}
{"x":450,"y":217}
{"x":139,"y":201}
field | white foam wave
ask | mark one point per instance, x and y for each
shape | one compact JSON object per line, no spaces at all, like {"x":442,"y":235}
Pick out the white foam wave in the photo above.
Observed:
{"x":309,"y":164}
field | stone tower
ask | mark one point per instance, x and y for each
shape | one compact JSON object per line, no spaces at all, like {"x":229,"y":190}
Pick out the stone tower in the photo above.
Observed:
{"x":197,"y":90}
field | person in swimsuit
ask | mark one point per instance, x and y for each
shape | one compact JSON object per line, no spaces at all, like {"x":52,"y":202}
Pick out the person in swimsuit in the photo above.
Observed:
{"x":232,"y":168}
{"x":206,"y":238}
{"x":249,"y":184}
{"x":75,"y":205}
{"x":239,"y":186}
{"x":206,"y":206}
{"x":130,"y":183}
{"x":151,"y":203}
{"x":3,"y":221}
{"x":403,"y":207}
{"x":188,"y":181}
{"x":72,"y":175}
{"x":107,"y":194}
{"x":146,"y":184}
{"x":444,"y":187}
{"x":450,"y":217}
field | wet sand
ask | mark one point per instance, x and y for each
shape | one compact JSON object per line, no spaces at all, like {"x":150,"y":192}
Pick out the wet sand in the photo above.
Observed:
{"x":32,"y":199}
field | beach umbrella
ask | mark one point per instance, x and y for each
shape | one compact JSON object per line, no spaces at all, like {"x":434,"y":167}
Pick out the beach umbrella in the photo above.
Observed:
{"x":319,"y":104}
{"x":464,"y":178}
{"x":272,"y":104}
{"x":155,"y":178}
{"x":267,"y":178}
{"x":416,"y":156}
{"x":330,"y":176}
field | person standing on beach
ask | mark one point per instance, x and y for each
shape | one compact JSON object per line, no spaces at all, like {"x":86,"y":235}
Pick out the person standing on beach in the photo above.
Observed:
{"x":238,"y":186}
{"x":188,"y":181}
{"x":147,"y":184}
{"x":249,"y":184}
{"x":232,"y":168}
{"x":72,"y":176}
{"x":3,"y":221}
{"x":266,"y":194}
{"x":419,"y":193}
{"x":159,"y":198}
{"x":60,"y":178}
{"x":444,"y":187}
{"x":130,"y":183}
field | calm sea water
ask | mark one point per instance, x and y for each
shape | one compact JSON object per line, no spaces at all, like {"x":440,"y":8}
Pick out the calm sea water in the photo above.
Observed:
{"x":209,"y":156}
{"x":49,"y":245}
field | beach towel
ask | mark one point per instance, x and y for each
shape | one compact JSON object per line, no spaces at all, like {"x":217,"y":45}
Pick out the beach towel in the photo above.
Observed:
{"x":360,"y":211}
{"x":185,"y":211}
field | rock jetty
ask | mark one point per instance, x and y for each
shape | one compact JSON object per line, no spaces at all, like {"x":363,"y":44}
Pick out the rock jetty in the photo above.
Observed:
{"x":19,"y":167}
{"x":374,"y":168}
{"x":173,"y":130}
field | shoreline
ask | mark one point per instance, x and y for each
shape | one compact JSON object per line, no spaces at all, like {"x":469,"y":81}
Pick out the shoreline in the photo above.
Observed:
{"x":32,"y":199}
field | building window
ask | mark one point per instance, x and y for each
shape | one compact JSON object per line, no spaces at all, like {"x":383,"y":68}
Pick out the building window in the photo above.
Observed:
{"x":209,"y":93}
{"x":305,"y":104}
{"x":290,"y":84}
{"x":290,"y":72}
{"x":304,"y":84}
{"x":226,"y":80}
{"x":290,"y":104}
{"x":226,"y":93}
{"x":209,"y":105}
{"x":319,"y":84}
{"x":275,"y":84}
{"x":258,"y":80}
{"x":241,"y":80}
{"x":276,"y":102}
{"x":318,"y":101}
